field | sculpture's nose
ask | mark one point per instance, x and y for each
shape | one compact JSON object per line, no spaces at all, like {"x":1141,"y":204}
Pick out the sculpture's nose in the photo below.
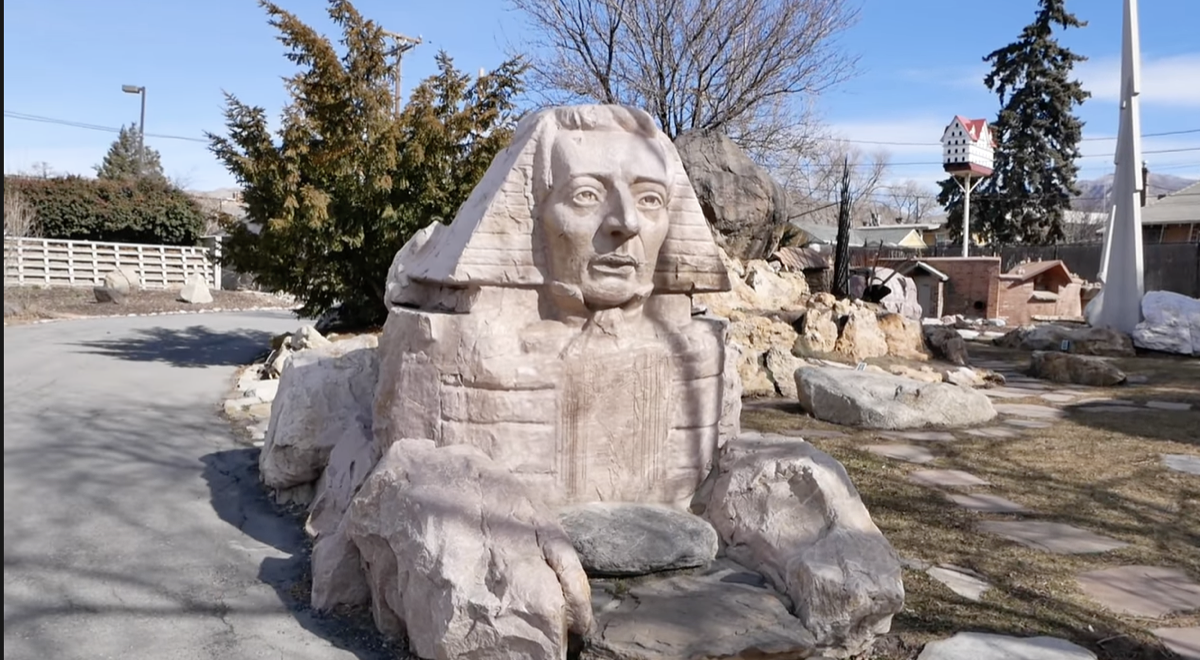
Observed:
{"x":621,"y":219}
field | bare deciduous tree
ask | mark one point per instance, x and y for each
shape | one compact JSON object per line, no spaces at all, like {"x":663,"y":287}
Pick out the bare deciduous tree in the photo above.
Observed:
{"x":813,"y":182}
{"x":19,"y":218}
{"x":748,"y":67}
{"x":910,"y":201}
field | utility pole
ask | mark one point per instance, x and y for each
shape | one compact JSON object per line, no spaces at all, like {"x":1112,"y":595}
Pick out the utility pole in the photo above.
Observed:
{"x":403,"y":45}
{"x":139,"y":89}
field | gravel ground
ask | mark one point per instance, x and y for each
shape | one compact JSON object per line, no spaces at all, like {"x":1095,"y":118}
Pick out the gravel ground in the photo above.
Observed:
{"x":27,"y":304}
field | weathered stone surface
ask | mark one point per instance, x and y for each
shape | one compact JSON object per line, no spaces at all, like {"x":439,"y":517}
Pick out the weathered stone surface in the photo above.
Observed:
{"x":1057,"y":538}
{"x":790,"y":512}
{"x":755,"y":336}
{"x":986,"y":503}
{"x":921,"y":436}
{"x":924,"y":374}
{"x":906,"y":453}
{"x":883,"y":401}
{"x":104,"y":294}
{"x":819,"y":333}
{"x":621,"y":540}
{"x":1185,"y":642}
{"x":1173,"y":406}
{"x":946,"y":344}
{"x":1150,"y":592}
{"x":305,"y":338}
{"x":781,"y":367}
{"x":902,"y":291}
{"x":986,"y":646}
{"x":861,"y":337}
{"x":727,"y":611}
{"x":195,"y":291}
{"x":1028,"y":423}
{"x":123,"y":280}
{"x":463,"y":560}
{"x":324,"y":395}
{"x":1075,"y":369}
{"x":905,"y":337}
{"x":994,"y":432}
{"x":1185,"y":463}
{"x":946,"y":479}
{"x":962,"y":581}
{"x":742,"y":203}
{"x":730,"y":424}
{"x":1029,"y":410}
{"x":1084,"y":340}
{"x":1171,"y":323}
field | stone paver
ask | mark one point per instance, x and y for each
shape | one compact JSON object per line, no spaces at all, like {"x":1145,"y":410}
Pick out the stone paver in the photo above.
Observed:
{"x":962,"y":581}
{"x":1182,"y":463}
{"x":986,"y":646}
{"x":994,"y":432}
{"x":814,"y":433}
{"x":1058,"y":538}
{"x":920,"y":436}
{"x":946,"y":478}
{"x":1008,"y":393}
{"x":1057,"y":397}
{"x":1144,"y":591}
{"x":1029,"y":410}
{"x":908,"y":453}
{"x":1110,"y":408}
{"x":1105,"y":400}
{"x":986,"y":503}
{"x":1028,"y":423}
{"x":1137,"y":379}
{"x":1169,"y":405}
{"x":1185,"y":642}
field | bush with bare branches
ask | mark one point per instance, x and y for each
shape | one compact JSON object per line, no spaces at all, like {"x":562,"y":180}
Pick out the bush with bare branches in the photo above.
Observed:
{"x":20,"y":221}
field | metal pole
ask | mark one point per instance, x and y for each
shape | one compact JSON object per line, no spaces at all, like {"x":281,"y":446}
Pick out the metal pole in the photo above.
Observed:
{"x":142,"y":137}
{"x":966,"y":219}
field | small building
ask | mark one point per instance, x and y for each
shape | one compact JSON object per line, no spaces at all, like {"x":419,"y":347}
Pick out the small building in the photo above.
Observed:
{"x":931,"y":287}
{"x":1040,"y":291}
{"x":807,"y":261}
{"x":909,"y":236}
{"x":967,"y":147}
{"x":1173,"y":218}
{"x":823,"y":237}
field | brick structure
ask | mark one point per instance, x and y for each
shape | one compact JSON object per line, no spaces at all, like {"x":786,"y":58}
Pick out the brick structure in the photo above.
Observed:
{"x":1044,"y":289}
{"x":973,"y":287}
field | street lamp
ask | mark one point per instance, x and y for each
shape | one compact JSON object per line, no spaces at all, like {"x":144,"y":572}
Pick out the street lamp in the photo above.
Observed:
{"x":135,"y":89}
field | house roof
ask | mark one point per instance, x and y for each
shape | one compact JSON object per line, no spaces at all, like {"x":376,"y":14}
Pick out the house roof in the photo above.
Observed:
{"x":975,"y":128}
{"x":889,"y":234}
{"x":827,"y":234}
{"x":1178,"y":208}
{"x":929,"y":270}
{"x":800,"y":258}
{"x":1026,"y":272}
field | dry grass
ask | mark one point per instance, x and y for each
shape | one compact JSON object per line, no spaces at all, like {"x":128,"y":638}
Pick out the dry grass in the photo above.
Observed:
{"x":1101,"y":472}
{"x":24,"y":304}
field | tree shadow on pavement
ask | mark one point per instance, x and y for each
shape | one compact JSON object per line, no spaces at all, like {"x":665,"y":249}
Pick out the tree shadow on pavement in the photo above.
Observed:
{"x":195,"y":346}
{"x":239,"y":499}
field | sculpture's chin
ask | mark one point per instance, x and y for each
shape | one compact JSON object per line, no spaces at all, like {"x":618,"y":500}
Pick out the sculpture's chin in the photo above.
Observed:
{"x":613,"y":294}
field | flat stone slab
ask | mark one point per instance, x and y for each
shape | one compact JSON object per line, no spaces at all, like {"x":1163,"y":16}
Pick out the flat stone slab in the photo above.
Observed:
{"x":946,"y":478}
{"x":1185,"y":642}
{"x":1110,"y":408}
{"x":1145,"y":591}
{"x":1057,"y":538}
{"x":921,"y":436}
{"x":1137,"y":379}
{"x":907,"y":453}
{"x":1169,"y":405}
{"x":962,"y":581}
{"x":1182,"y":463}
{"x":815,"y":433}
{"x":985,"y":646}
{"x":1057,"y":397}
{"x":1008,"y":393}
{"x":994,"y":432}
{"x":618,"y":539}
{"x":1029,"y":410}
{"x":986,"y":503}
{"x":1028,"y":423}
{"x":1104,"y":400}
{"x":727,"y":611}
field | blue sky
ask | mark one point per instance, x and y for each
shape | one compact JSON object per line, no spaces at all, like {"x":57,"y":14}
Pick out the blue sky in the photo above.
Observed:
{"x":920,"y":65}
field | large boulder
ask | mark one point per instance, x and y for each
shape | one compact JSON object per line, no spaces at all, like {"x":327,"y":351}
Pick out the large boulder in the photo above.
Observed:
{"x":195,"y":291}
{"x":819,"y":332}
{"x":901,"y":297}
{"x":1084,"y":340}
{"x":122,"y":279}
{"x":463,"y":559}
{"x":325,"y":394}
{"x":790,"y":512}
{"x":1075,"y":369}
{"x":755,"y":336}
{"x":1171,"y":323}
{"x":744,"y":206}
{"x":883,"y":401}
{"x":946,"y":344}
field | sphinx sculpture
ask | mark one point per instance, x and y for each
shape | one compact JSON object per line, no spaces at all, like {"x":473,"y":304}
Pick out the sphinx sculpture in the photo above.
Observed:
{"x":540,"y":357}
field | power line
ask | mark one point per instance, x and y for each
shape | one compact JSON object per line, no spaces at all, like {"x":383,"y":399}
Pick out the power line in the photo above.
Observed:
{"x":10,"y":114}
{"x":938,"y":144}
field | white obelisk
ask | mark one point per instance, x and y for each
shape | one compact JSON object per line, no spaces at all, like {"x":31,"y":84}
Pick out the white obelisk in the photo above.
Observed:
{"x":1120,"y":304}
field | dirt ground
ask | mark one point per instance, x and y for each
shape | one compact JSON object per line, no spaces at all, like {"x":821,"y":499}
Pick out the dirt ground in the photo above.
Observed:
{"x":1100,"y":471}
{"x":25,"y":304}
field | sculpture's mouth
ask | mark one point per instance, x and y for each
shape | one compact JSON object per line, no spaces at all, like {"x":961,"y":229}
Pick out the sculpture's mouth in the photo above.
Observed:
{"x":615,"y":264}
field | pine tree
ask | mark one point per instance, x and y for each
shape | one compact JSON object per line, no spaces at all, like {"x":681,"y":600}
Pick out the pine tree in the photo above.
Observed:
{"x":122,"y":160}
{"x":348,"y":181}
{"x":1037,"y":137}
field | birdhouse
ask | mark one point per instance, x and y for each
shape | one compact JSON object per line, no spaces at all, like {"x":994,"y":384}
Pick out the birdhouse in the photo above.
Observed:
{"x":967,"y":147}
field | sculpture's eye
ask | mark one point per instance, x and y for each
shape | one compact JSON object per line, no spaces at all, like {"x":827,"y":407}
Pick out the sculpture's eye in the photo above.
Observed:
{"x":650,"y":201}
{"x":586,"y":197}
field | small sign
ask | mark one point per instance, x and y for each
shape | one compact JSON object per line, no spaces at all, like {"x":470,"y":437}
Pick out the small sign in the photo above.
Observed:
{"x":1066,"y":345}
{"x":862,"y":366}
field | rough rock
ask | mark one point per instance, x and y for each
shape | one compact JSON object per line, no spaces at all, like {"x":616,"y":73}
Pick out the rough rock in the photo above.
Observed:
{"x":986,"y":646}
{"x":122,"y":280}
{"x":1084,"y":340}
{"x":754,"y":336}
{"x":790,"y":512}
{"x":616,"y":539}
{"x":861,"y":337}
{"x":945,"y":343}
{"x":1076,"y":369}
{"x":463,"y":560}
{"x":195,"y":291}
{"x":730,"y":425}
{"x":819,"y":333}
{"x":727,"y":611}
{"x":781,"y":368}
{"x":307,"y":337}
{"x":965,"y":377}
{"x":924,"y":374}
{"x":905,"y":337}
{"x":1171,"y":323}
{"x":760,"y":288}
{"x":902,"y":291}
{"x":324,"y":395}
{"x":884,"y":401}
{"x":108,"y":295}
{"x":745,"y":207}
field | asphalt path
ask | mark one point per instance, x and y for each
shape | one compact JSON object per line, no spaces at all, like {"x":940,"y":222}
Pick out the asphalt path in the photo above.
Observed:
{"x":133,"y":524}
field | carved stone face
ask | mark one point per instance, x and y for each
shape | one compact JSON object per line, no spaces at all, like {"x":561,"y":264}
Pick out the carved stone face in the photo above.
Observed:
{"x":605,"y":217}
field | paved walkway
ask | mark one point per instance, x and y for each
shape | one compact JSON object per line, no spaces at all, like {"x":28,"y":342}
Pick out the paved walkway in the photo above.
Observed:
{"x":133,"y":524}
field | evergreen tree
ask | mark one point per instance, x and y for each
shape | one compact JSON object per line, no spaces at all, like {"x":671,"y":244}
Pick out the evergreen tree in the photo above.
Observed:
{"x":122,"y":160}
{"x":1037,"y":136}
{"x":347,"y":181}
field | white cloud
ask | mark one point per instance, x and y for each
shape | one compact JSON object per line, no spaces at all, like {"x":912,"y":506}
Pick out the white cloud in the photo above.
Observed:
{"x":1166,"y":81}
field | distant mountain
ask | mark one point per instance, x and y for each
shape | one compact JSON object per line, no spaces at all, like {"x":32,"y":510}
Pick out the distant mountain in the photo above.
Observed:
{"x":1094,"y":193}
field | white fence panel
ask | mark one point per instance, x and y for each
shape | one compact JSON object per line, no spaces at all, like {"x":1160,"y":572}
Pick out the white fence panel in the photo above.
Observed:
{"x":52,"y":262}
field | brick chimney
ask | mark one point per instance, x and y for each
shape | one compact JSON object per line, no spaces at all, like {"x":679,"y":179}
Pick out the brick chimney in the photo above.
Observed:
{"x":1145,"y":181}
